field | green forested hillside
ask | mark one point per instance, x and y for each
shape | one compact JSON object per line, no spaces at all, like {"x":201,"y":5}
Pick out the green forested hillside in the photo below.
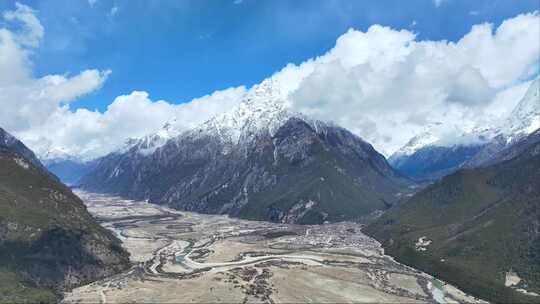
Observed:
{"x":482,"y":223}
{"x":48,"y":240}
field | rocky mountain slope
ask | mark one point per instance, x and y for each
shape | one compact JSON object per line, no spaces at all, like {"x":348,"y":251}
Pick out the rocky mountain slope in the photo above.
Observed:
{"x":477,"y":228}
{"x":10,"y":144}
{"x":258,"y":161}
{"x":48,"y":240}
{"x":428,"y":156}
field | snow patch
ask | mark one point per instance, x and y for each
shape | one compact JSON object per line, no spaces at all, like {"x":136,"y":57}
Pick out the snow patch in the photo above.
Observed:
{"x":422,"y":243}
{"x":511,"y":279}
{"x":22,"y":163}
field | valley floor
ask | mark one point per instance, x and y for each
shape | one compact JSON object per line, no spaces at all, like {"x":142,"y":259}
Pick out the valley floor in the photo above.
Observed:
{"x":182,"y":257}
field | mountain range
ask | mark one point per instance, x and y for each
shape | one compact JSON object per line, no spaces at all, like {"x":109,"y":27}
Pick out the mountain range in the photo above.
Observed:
{"x":464,"y":209}
{"x":258,"y":161}
{"x":429,"y":156}
{"x":227,"y":164}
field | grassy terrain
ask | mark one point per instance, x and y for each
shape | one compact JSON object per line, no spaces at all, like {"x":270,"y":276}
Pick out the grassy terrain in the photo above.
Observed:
{"x":46,"y":233}
{"x":335,"y":193}
{"x":482,"y":224}
{"x":13,"y":289}
{"x":341,"y":187}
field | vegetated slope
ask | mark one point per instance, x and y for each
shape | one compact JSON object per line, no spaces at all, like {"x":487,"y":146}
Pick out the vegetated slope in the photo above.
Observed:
{"x":482,"y":223}
{"x":48,"y":240}
{"x":258,"y":161}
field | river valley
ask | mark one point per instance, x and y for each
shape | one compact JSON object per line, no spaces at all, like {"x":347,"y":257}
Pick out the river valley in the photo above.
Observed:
{"x":183,"y":257}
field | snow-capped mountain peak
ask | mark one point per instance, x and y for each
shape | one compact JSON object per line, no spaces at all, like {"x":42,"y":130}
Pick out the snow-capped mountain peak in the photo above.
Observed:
{"x":417,"y":142}
{"x":525,"y":118}
{"x":148,"y":144}
{"x":264,"y":109}
{"x":170,"y":129}
{"x":427,"y":137}
{"x":58,"y":154}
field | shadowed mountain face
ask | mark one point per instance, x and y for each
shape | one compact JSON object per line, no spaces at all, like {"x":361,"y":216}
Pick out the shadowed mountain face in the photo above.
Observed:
{"x":303,"y":173}
{"x":48,"y":240}
{"x":432,"y":162}
{"x":258,"y":161}
{"x":69,"y":171}
{"x":477,"y":225}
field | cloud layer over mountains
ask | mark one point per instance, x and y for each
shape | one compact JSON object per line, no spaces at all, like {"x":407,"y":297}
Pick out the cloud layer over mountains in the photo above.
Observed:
{"x":382,"y":84}
{"x":386,"y":86}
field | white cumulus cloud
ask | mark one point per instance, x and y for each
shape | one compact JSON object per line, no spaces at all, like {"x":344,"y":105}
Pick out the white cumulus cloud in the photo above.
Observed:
{"x":32,"y":31}
{"x":383,"y":84}
{"x":386,"y":85}
{"x":37,"y":110}
{"x":92,"y":133}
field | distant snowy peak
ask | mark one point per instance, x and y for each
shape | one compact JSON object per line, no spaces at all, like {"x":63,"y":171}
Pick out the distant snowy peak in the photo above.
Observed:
{"x":427,"y":137}
{"x":416,"y":143}
{"x":148,"y":144}
{"x":58,"y":154}
{"x":522,"y":121}
{"x":525,"y":118}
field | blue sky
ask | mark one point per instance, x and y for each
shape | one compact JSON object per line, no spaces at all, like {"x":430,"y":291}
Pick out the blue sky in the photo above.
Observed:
{"x":82,"y":76}
{"x":179,"y":50}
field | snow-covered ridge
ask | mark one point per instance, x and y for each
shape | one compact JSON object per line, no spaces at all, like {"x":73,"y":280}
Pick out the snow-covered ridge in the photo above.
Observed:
{"x":522,"y":121}
{"x":421,"y":140}
{"x":58,"y":154}
{"x":264,"y":109}
{"x":148,"y":144}
{"x":525,"y":118}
